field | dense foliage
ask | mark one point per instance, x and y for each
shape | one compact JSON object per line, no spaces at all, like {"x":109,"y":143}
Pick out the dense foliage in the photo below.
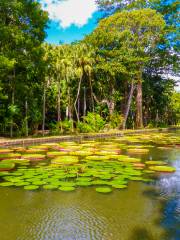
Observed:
{"x":117,"y":77}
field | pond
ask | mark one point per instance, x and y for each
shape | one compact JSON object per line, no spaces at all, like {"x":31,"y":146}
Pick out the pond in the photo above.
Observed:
{"x":125,"y":188}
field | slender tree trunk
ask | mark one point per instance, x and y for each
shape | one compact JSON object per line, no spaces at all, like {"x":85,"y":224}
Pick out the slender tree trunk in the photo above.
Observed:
{"x":126,"y":113}
{"x":13,"y":90}
{"x":111,"y":106}
{"x":84,"y":110}
{"x":92,"y":99}
{"x":44,"y":109}
{"x":11,"y":127}
{"x":139,"y":114}
{"x":59,"y":104}
{"x":26,"y":112}
{"x":78,"y":108}
{"x":79,"y":88}
{"x":67,"y":112}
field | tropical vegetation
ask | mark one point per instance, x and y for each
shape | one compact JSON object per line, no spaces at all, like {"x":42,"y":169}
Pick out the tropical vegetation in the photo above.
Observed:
{"x":120,"y":76}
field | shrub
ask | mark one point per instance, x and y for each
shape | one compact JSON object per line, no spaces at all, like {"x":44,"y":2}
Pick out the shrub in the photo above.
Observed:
{"x":93,"y":122}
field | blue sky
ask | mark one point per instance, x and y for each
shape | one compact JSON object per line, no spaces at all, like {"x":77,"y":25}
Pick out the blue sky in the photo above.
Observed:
{"x":70,"y":20}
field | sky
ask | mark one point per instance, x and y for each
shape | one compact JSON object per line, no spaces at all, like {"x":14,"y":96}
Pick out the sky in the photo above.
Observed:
{"x":70,"y":20}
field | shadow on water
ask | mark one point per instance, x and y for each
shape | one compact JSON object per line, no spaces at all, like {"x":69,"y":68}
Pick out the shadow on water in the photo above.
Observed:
{"x":141,"y":234}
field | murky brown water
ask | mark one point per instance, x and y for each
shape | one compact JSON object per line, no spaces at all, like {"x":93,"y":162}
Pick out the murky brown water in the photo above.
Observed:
{"x":140,"y":212}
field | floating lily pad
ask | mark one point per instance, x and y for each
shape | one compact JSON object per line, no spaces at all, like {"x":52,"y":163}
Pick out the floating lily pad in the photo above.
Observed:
{"x":67,"y":189}
{"x":155,"y":163}
{"x":65,"y":160}
{"x":34,"y":157}
{"x":20,"y":184}
{"x":167,"y":169}
{"x":98,"y":158}
{"x":6,"y":184}
{"x":5,"y":151}
{"x":6,"y":166}
{"x":138,"y":150}
{"x":103,"y":190}
{"x":50,"y":187}
{"x":55,"y":154}
{"x":118,"y":186}
{"x":83,"y":184}
{"x":10,"y":155}
{"x":31,"y":187}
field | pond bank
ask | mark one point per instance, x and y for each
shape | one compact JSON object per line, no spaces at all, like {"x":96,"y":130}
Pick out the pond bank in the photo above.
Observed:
{"x":31,"y":141}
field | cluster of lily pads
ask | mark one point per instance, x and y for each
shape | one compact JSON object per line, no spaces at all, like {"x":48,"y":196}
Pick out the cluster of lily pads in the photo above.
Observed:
{"x":107,"y":165}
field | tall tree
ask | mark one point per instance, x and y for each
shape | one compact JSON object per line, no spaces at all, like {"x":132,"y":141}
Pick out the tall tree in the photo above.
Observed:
{"x":131,"y":36}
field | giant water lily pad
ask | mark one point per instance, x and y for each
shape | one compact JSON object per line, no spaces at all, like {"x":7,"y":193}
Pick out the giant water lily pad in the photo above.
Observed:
{"x":55,"y":154}
{"x":119,"y":186}
{"x":167,"y":169}
{"x":155,"y":163}
{"x":34,"y":157}
{"x":67,"y":189}
{"x":31,"y":187}
{"x":138,"y":150}
{"x":6,"y":166}
{"x":6,"y":184}
{"x":5,"y":151}
{"x":103,"y":190}
{"x":35,"y":151}
{"x":97,"y":158}
{"x":63,"y":160}
{"x":50,"y":187}
{"x":10,"y":155}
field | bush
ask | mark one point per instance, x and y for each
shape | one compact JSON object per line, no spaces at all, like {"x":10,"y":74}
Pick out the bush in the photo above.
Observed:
{"x":65,"y":126}
{"x":93,"y":122}
{"x":116,"y":120}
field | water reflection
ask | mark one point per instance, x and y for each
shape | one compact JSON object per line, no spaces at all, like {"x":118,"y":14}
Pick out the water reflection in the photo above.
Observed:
{"x":169,"y":186}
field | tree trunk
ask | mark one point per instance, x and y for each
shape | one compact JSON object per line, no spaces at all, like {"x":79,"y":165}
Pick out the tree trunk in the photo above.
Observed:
{"x":13,"y":90}
{"x":59,"y":104}
{"x":139,"y":114}
{"x":126,"y":113}
{"x":92,"y":99}
{"x":26,"y":111}
{"x":78,"y":108}
{"x":11,"y":127}
{"x":44,"y":109}
{"x":111,"y":106}
{"x":77,"y":96}
{"x":85,"y":106}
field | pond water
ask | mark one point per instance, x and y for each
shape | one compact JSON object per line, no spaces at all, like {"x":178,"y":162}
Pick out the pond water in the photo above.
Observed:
{"x":144,"y":202}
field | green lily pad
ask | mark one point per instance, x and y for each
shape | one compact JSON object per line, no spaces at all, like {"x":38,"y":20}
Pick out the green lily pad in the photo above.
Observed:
{"x":67,"y":184}
{"x":119,"y":186}
{"x":10,"y":155}
{"x":20,"y":184}
{"x":103,"y":190}
{"x":155,"y":163}
{"x":6,"y":184}
{"x":97,"y":158}
{"x":34,"y":157}
{"x":6,"y":166}
{"x":167,"y":169}
{"x":55,"y":154}
{"x":50,"y":187}
{"x":31,"y":187}
{"x":67,"y":189}
{"x":83,"y":184}
{"x":65,"y":160}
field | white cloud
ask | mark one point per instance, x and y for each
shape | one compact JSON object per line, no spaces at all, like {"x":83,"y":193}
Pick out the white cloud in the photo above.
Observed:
{"x":68,"y":12}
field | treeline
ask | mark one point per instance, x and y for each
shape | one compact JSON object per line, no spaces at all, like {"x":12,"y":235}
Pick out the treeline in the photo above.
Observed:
{"x":117,"y":77}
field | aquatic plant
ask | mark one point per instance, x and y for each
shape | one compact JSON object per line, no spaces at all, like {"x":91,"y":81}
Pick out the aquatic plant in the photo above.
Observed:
{"x":167,"y":169}
{"x":4,"y":166}
{"x":103,"y":190}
